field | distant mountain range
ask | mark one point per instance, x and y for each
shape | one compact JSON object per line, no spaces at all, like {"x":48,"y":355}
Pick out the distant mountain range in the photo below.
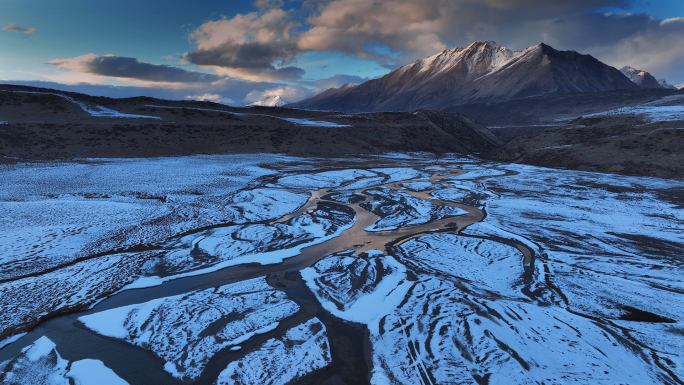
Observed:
{"x":667,"y":85}
{"x":270,"y":101}
{"x":645,"y":79}
{"x":483,"y":72}
{"x":641,"y":78}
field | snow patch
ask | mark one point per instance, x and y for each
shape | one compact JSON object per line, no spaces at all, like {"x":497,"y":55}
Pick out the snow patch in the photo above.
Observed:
{"x":96,"y":110}
{"x":303,"y":349}
{"x":40,"y":363}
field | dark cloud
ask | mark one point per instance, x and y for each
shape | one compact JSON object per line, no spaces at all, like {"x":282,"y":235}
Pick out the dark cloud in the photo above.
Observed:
{"x":287,"y":73}
{"x":249,"y":46}
{"x":132,"y":68}
{"x":15,"y":28}
{"x":248,"y":55}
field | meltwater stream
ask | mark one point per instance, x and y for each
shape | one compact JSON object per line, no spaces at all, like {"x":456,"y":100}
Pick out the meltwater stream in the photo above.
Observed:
{"x":348,"y":341}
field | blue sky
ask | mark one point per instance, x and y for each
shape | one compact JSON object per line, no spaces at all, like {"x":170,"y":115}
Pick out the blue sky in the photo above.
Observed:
{"x":300,"y":47}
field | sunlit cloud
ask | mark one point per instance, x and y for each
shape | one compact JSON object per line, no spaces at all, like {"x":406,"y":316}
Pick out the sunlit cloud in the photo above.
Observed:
{"x":289,"y":93}
{"x":211,"y":98}
{"x":15,"y":28}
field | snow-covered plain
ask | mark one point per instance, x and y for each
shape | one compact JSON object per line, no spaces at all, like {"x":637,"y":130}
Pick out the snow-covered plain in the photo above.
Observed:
{"x":187,"y":330}
{"x":24,"y":302}
{"x":58,"y":217}
{"x":569,"y":276}
{"x":56,"y":213}
{"x":421,"y":186}
{"x":612,"y":245}
{"x":323,"y":179}
{"x":358,"y":288}
{"x":491,"y":264}
{"x":652,"y":113}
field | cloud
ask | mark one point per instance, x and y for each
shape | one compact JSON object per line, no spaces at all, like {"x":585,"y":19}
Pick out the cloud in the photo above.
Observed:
{"x":407,"y":30}
{"x":637,"y":40}
{"x":132,"y":68}
{"x":658,"y":49}
{"x":248,"y":45}
{"x":348,"y":26}
{"x":211,"y":98}
{"x":413,"y":30}
{"x":263,"y":45}
{"x":15,"y":28}
{"x":289,"y":93}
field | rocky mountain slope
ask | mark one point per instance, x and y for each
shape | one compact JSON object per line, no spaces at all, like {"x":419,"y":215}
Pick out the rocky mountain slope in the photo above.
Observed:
{"x":663,"y":83}
{"x":39,"y":123}
{"x":483,"y":72}
{"x":646,"y":140}
{"x":642,"y":78}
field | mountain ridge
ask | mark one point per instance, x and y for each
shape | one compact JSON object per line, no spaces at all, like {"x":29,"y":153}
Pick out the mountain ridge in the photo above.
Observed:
{"x":640,"y":77}
{"x":482,"y":72}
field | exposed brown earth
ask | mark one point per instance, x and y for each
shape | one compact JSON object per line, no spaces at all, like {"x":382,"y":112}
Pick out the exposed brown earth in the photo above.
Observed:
{"x":623,"y":144}
{"x":43,"y":126}
{"x":46,"y":126}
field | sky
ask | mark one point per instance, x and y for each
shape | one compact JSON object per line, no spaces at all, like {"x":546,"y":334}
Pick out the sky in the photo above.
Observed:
{"x":237,"y":52}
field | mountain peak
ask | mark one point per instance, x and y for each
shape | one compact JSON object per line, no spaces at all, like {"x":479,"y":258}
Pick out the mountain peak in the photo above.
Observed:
{"x":663,"y":83}
{"x":640,"y":77}
{"x":482,"y":72}
{"x":270,"y":101}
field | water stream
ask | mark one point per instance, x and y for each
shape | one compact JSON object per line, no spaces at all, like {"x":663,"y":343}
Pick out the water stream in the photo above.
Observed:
{"x":348,"y":342}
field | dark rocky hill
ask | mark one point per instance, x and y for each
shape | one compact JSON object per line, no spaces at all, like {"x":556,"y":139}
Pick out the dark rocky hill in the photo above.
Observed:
{"x":38,"y":123}
{"x":644,"y":140}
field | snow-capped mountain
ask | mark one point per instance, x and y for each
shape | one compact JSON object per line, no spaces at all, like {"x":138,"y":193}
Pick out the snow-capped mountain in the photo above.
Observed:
{"x":481,"y":72}
{"x":679,"y":87}
{"x":640,"y":77}
{"x":270,"y":101}
{"x":663,"y":83}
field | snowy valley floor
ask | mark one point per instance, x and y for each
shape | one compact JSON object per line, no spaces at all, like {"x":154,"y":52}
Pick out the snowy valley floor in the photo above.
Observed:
{"x":396,"y":269}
